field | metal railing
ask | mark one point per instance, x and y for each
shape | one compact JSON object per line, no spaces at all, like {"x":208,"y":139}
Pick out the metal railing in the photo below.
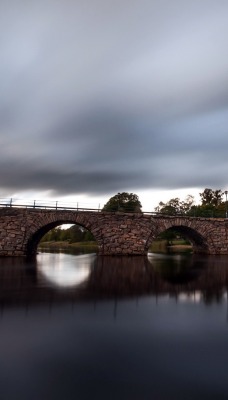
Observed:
{"x":52,"y":205}
{"x":58,"y":205}
{"x":79,"y":206}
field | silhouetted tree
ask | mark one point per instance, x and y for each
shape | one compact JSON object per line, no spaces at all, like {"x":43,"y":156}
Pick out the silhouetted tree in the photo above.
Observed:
{"x":213,"y":197}
{"x":175,"y":206}
{"x":126,"y":202}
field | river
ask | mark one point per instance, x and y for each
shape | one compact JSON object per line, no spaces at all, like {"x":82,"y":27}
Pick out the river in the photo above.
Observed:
{"x":89,"y":327}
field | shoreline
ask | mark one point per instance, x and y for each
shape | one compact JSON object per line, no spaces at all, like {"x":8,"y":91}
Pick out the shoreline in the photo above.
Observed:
{"x":157,"y":246}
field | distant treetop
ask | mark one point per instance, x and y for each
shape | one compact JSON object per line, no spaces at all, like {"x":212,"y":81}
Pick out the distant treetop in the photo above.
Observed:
{"x":212,"y":205}
{"x":125,"y":202}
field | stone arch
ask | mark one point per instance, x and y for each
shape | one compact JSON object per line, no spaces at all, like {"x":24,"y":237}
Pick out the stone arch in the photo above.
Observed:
{"x":194,"y":232}
{"x":198,"y":242}
{"x":41,"y":226}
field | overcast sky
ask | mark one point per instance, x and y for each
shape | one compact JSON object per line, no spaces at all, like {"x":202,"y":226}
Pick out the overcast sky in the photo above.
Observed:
{"x":99,"y":97}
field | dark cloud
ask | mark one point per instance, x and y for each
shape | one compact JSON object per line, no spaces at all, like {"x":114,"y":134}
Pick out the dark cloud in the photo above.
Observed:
{"x":98,"y":97}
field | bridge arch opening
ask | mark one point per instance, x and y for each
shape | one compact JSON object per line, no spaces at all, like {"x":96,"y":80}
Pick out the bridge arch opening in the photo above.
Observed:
{"x":53,"y":233}
{"x":192,"y":236}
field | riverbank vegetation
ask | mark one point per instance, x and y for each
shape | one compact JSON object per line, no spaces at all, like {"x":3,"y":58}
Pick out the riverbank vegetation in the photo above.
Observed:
{"x":174,"y":246}
{"x":74,"y":234}
{"x":65,"y":245}
{"x":212,"y":205}
{"x":71,"y":238}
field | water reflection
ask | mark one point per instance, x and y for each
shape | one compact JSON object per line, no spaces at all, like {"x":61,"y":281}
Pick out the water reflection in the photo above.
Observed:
{"x":60,"y":270}
{"x":77,"y":250}
{"x":63,"y":277}
{"x":75,"y":327}
{"x":176,"y":268}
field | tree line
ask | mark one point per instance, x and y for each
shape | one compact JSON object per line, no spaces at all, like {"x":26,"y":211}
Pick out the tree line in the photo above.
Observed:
{"x":212,"y":205}
{"x":73,"y":234}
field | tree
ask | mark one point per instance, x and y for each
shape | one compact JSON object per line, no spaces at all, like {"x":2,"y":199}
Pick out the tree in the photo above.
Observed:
{"x":172,"y":207}
{"x":73,"y":234}
{"x":211,"y":197}
{"x":211,"y":205}
{"x":188,"y":204}
{"x":175,"y":206}
{"x":126,"y":202}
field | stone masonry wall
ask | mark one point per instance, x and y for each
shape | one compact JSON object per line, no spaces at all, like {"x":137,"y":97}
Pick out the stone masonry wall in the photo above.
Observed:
{"x":116,"y":233}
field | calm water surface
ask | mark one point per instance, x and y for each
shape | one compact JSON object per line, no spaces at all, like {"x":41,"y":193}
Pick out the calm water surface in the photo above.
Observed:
{"x":89,"y":327}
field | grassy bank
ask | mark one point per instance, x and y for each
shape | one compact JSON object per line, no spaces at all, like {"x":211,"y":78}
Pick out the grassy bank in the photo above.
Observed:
{"x":158,"y":246}
{"x":162,"y":246}
{"x":66,"y":244}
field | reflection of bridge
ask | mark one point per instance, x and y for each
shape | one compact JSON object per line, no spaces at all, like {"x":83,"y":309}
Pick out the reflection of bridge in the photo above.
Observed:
{"x":116,"y":233}
{"x":23,"y":282}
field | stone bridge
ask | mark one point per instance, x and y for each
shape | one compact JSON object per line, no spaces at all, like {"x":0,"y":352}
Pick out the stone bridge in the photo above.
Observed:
{"x":117,"y":233}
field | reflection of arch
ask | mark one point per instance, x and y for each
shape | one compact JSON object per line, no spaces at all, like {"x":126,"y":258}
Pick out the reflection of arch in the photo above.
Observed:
{"x":40,"y":227}
{"x":193,"y":231}
{"x":176,"y":269}
{"x":71,"y":272}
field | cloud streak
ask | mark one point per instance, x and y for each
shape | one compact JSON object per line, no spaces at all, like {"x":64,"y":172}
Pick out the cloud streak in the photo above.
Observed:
{"x":104,"y":96}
